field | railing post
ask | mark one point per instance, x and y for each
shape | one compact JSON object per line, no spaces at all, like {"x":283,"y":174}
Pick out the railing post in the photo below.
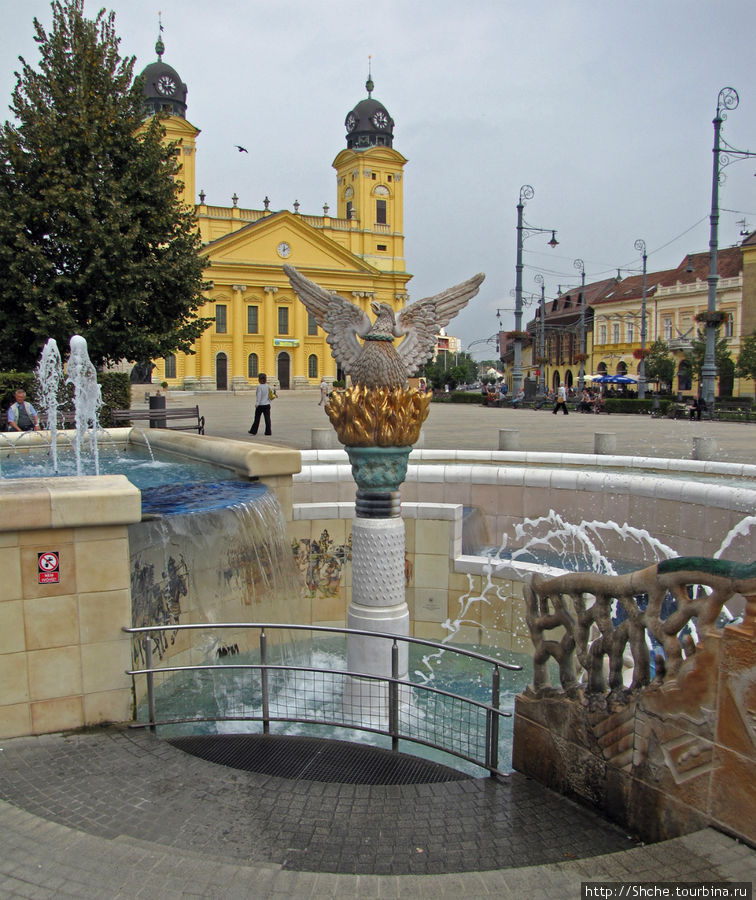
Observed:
{"x":264,"y":679}
{"x":492,"y":724}
{"x":150,"y":681}
{"x":393,"y":697}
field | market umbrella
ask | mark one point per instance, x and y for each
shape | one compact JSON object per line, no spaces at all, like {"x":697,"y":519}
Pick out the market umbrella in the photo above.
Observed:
{"x":613,"y":379}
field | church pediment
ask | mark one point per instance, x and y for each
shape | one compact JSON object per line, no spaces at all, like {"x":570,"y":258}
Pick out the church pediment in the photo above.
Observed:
{"x":284,"y":238}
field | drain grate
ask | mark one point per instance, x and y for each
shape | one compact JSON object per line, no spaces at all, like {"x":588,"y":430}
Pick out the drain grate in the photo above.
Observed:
{"x":315,"y":759}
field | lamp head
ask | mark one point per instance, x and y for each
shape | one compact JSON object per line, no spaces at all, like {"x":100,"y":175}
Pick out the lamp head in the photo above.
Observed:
{"x":553,"y":242}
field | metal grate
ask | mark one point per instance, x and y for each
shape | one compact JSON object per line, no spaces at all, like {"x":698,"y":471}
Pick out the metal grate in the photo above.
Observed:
{"x":314,"y":759}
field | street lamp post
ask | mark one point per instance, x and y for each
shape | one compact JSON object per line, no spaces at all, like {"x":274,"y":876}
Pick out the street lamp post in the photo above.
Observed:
{"x":579,"y":264}
{"x":523,"y":230}
{"x":724,"y":154}
{"x":641,"y":245}
{"x":538,"y":278}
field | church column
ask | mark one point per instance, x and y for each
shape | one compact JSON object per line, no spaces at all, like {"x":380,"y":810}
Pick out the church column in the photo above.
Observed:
{"x":270,"y":326}
{"x":299,"y":360}
{"x":206,"y":363}
{"x":238,"y":363}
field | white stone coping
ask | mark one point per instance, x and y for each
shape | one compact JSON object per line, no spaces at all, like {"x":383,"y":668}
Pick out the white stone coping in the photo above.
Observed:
{"x":250,"y":460}
{"x":657,"y":486}
{"x":563,"y":460}
{"x":29,"y":504}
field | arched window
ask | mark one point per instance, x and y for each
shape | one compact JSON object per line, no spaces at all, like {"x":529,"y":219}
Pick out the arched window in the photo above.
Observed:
{"x":312,"y":366}
{"x":622,"y":367}
{"x":253,"y":366}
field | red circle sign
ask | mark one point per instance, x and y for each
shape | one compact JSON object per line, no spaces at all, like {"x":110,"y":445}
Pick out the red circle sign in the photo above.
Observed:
{"x":48,"y":562}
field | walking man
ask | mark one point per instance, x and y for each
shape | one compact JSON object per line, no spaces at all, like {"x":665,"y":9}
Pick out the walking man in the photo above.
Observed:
{"x":561,"y":400}
{"x":262,"y":405}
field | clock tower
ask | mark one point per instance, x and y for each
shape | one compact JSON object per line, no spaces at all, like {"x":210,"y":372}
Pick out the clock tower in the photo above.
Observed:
{"x":165,"y":94}
{"x":370,"y":183}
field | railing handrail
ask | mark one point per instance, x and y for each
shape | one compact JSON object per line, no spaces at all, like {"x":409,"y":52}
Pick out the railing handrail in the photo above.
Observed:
{"x":332,"y":629}
{"x":462,"y":744}
{"x":385,"y":679}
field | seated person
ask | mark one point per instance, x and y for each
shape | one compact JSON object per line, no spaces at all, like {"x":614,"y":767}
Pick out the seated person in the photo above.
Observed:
{"x":21,"y":414}
{"x":518,"y":398}
{"x":586,"y":401}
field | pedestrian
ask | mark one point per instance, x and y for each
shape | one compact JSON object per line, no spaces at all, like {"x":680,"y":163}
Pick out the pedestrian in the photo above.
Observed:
{"x":21,"y":415}
{"x":262,"y":404}
{"x":323,"y":392}
{"x":561,"y":400}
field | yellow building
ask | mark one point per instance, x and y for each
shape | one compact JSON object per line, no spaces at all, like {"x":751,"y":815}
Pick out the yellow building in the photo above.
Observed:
{"x":260,"y":325}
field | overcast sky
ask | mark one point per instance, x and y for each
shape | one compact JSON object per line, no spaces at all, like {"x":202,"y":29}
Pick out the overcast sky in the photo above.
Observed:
{"x":605,"y":108}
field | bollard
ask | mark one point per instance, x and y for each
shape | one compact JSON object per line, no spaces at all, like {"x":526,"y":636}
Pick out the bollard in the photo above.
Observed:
{"x":604,"y":442}
{"x":509,"y":439}
{"x":704,"y":448}
{"x":322,"y":438}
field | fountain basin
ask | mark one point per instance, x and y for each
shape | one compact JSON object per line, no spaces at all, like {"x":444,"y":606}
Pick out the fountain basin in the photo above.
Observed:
{"x":62,"y":652}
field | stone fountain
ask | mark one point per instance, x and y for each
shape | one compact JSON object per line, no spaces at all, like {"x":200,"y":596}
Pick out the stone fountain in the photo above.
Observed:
{"x":378,"y":420}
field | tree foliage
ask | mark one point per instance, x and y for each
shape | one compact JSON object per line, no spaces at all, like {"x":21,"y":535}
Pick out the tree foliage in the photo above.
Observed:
{"x":746,"y":364}
{"x":93,"y":238}
{"x":451,"y":369}
{"x":660,"y":365}
{"x":697,"y":352}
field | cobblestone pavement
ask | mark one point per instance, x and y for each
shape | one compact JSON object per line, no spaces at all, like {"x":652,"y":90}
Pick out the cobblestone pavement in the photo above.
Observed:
{"x":472,"y":427}
{"x":118,"y":813}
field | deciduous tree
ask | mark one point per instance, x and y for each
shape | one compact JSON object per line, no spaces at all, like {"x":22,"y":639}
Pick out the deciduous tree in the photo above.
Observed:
{"x":93,"y":238}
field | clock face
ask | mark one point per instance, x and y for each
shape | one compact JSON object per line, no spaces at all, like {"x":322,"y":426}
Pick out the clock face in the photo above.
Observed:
{"x":283,"y":249}
{"x":166,"y":85}
{"x":351,"y":121}
{"x":380,"y":119}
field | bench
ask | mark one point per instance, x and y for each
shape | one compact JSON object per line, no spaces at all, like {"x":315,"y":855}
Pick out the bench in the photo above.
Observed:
{"x":163,"y":418}
{"x":65,"y":420}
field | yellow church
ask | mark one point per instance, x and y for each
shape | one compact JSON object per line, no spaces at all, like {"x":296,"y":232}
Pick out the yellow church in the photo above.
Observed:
{"x":260,"y":325}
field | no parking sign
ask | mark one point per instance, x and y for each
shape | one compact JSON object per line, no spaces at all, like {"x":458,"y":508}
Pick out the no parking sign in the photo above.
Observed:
{"x":48,"y":563}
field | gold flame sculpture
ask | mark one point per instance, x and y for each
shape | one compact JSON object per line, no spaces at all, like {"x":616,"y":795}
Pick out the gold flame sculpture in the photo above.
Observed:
{"x":378,"y":417}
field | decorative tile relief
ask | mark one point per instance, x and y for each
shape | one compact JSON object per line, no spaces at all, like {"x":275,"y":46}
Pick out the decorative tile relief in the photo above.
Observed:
{"x":321,"y":561}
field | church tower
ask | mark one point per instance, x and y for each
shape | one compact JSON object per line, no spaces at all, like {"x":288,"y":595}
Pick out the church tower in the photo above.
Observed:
{"x":165,"y":92}
{"x":369,"y":184}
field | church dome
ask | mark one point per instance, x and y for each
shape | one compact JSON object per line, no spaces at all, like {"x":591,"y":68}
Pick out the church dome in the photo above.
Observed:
{"x":369,"y":123}
{"x":163,"y":87}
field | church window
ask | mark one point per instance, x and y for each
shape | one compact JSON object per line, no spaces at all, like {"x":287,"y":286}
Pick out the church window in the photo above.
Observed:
{"x":388,"y":178}
{"x":170,"y":366}
{"x":312,"y":366}
{"x":349,"y":211}
{"x":372,"y":175}
{"x":283,"y":320}
{"x":380,"y":212}
{"x":220,"y":318}
{"x":312,"y":325}
{"x":381,"y":247}
{"x":253,"y":322}
{"x":253,"y":366}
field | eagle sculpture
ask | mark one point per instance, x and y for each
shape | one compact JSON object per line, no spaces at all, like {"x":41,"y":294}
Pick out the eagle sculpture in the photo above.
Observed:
{"x":377,"y":362}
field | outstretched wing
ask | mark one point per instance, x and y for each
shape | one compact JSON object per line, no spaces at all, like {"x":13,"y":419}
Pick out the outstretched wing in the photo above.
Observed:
{"x":341,"y":319}
{"x":421,"y":321}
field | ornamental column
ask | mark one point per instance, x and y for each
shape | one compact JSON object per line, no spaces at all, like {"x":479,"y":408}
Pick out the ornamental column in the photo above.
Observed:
{"x":268,"y":362}
{"x":238,"y":362}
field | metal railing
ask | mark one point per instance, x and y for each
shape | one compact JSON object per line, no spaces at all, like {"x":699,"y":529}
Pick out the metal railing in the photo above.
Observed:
{"x":266,"y":692}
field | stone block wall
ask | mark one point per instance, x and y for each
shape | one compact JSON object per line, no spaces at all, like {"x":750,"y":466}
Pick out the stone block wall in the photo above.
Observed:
{"x":63,"y":656}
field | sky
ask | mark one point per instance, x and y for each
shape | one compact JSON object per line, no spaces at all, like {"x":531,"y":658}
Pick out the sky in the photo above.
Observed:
{"x":604,"y":107}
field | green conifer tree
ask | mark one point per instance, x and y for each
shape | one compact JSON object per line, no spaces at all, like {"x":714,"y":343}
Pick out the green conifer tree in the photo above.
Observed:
{"x":93,"y":238}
